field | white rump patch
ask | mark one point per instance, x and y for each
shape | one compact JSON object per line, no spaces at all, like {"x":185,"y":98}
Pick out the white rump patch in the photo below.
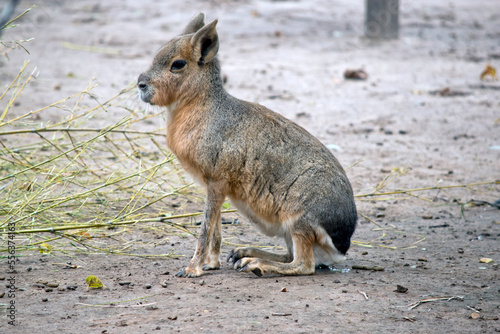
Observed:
{"x":325,"y":252}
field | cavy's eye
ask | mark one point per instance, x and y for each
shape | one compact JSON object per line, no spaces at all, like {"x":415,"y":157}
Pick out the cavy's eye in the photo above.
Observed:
{"x":177,"y":65}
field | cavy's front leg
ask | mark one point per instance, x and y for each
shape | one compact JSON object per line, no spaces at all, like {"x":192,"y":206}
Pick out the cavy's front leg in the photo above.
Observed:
{"x":206,"y":256}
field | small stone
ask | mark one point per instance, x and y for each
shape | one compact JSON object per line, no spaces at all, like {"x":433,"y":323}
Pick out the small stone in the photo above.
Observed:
{"x":401,"y":289}
{"x":283,"y":290}
{"x":49,"y":289}
{"x":45,"y":299}
{"x":52,"y":285}
{"x":151,"y":308}
{"x":460,"y":250}
{"x":422,"y":259}
{"x":474,"y":315}
{"x":2,"y":294}
{"x":364,"y":253}
{"x":172,"y":317}
{"x":121,"y":323}
{"x":124,"y":283}
{"x":148,"y":286}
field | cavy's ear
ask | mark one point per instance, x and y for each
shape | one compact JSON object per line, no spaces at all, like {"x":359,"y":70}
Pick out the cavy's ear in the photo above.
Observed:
{"x":196,"y":24}
{"x":205,"y":43}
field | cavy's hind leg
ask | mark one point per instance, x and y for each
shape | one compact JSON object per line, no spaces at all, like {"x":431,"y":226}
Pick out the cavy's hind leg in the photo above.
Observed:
{"x":301,"y":264}
{"x":239,"y":253}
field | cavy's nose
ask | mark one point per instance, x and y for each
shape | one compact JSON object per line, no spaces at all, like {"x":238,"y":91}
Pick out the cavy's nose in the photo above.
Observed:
{"x":142,"y":85}
{"x":142,"y":82}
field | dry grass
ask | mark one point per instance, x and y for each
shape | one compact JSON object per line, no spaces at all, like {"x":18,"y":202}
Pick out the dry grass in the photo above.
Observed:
{"x":73,"y":184}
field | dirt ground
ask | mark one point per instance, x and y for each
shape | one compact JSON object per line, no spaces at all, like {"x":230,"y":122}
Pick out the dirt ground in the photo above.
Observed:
{"x":291,"y":56}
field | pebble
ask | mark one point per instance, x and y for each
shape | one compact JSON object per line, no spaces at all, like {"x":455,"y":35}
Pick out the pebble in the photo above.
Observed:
{"x":401,"y":289}
{"x":148,"y":286}
{"x":45,"y":299}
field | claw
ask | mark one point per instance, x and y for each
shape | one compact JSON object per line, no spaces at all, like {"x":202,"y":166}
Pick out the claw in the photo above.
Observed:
{"x":181,"y":273}
{"x":257,"y":272}
{"x":237,"y":265}
{"x":230,"y":256}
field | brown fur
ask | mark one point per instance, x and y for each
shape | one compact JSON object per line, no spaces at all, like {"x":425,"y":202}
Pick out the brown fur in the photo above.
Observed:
{"x":283,"y":179}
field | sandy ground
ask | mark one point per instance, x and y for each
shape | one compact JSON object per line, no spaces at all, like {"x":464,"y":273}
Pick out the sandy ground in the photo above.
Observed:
{"x":291,"y":56}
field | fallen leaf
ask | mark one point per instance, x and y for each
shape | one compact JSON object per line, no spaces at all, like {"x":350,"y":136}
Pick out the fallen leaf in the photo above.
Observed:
{"x":489,"y":71}
{"x":94,"y":283}
{"x":45,"y":248}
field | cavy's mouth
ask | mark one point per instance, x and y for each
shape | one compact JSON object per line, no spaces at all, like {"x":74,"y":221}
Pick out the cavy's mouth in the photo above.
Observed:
{"x":146,"y":93}
{"x":145,"y":96}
